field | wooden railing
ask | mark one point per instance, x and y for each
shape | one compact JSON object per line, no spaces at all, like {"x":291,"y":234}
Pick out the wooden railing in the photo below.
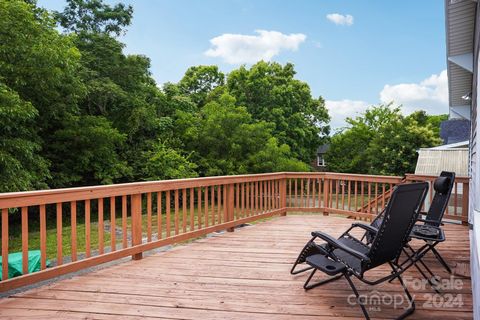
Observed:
{"x":106,"y":223}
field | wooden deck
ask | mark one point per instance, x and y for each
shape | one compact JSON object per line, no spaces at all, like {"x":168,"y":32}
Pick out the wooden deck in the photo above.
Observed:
{"x":239,"y":275}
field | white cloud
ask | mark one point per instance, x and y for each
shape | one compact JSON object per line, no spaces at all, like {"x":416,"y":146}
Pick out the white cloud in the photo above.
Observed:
{"x":340,"y":19}
{"x":341,"y":109}
{"x":430,"y":94}
{"x":240,"y":48}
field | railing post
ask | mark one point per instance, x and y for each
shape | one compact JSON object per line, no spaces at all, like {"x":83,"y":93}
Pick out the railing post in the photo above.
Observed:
{"x":230,"y":204}
{"x":283,"y":196}
{"x":326,"y":191}
{"x":136,"y":206}
{"x":465,"y":196}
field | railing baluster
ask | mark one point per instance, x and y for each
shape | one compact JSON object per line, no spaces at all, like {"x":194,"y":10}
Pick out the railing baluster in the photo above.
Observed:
{"x":124,"y":222}
{"x":168,"y":213}
{"x":465,"y":195}
{"x":349,"y":186}
{"x":192,"y":209}
{"x":184,"y":209}
{"x":242,"y":200}
{"x":149,"y":216}
{"x":206,"y":207}
{"x":73,"y":234}
{"x":226,"y":218}
{"x":212,"y":197}
{"x":337,"y":196}
{"x":314,"y":181}
{"x":113,"y":225}
{"x":355,"y":195}
{"x":383,"y":195}
{"x":219,"y":204}
{"x":237,"y":200}
{"x":302,"y":201}
{"x":455,"y":199}
{"x":307,"y":202}
{"x":87,"y":228}
{"x":24,"y":240}
{"x":252,"y":198}
{"x":247,"y":199}
{"x":369,"y":186}
{"x":319,"y":182}
{"x":4,"y":244}
{"x":176,"y":212}
{"x":376,"y":198}
{"x":59,"y":234}
{"x":343,"y":195}
{"x":256,"y":197}
{"x":362,"y":196}
{"x":100,"y":226}
{"x":296,"y":193}
{"x":43,"y":238}
{"x":199,"y":207}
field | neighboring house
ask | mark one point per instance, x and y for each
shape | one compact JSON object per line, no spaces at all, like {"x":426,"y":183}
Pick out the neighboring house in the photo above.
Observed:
{"x":463,"y":60}
{"x":319,"y":163}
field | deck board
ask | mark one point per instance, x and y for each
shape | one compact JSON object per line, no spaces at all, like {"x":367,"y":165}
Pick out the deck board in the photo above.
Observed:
{"x":239,"y":275}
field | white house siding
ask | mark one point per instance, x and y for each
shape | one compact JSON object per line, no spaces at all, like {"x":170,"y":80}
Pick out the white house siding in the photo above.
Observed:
{"x":474,"y":212}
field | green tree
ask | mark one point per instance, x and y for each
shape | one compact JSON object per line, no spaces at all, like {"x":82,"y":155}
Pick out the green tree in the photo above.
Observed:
{"x":380,"y":141}
{"x":95,"y":16}
{"x":162,"y":162}
{"x":224,"y":139}
{"x":21,"y":167}
{"x":199,"y":81}
{"x":270,"y":93}
{"x":89,"y":151}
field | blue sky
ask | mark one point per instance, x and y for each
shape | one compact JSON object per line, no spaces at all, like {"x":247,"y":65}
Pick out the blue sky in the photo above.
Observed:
{"x":385,"y":50}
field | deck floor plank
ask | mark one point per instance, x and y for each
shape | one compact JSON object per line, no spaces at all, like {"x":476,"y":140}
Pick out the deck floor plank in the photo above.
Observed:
{"x":239,"y":275}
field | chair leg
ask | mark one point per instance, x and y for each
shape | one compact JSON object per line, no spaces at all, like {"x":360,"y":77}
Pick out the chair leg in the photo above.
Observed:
{"x":293,"y":271}
{"x":308,"y":286}
{"x":355,"y":291}
{"x":411,"y":301}
{"x":441,"y":260}
{"x":429,"y":279}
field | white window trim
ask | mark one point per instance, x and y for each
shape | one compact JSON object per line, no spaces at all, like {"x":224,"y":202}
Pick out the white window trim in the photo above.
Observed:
{"x":320,"y":161}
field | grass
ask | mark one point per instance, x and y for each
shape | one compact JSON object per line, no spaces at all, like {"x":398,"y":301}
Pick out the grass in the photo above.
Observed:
{"x":15,"y":238}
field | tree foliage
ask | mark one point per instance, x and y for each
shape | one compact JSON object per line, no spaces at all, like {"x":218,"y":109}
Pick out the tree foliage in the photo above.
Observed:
{"x":94,"y":16}
{"x":381,"y":141}
{"x":76,"y":110}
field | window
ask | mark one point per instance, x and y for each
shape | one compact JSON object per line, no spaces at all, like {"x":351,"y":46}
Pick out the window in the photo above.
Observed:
{"x":320,"y":160}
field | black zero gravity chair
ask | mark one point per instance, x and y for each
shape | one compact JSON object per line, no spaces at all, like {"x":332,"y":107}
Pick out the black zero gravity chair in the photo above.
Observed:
{"x":430,"y":230}
{"x":347,"y":256}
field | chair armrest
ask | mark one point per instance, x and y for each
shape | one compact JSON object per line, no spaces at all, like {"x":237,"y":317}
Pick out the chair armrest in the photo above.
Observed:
{"x":338,"y":245}
{"x":365,"y":227}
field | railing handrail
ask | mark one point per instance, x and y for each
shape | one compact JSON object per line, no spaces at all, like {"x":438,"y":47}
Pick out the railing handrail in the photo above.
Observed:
{"x":38,"y":197}
{"x":413,"y":176}
{"x":346,"y":176}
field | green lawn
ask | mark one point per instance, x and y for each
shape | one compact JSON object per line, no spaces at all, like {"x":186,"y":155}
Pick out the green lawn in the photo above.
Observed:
{"x":15,"y":240}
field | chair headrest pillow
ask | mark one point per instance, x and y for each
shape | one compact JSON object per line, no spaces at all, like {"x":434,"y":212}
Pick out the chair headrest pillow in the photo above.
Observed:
{"x":441,"y":185}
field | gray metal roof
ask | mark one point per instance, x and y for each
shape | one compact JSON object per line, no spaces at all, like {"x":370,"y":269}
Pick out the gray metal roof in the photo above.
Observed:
{"x":434,"y":161}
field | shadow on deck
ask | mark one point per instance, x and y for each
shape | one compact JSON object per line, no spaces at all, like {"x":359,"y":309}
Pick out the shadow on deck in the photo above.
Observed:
{"x":240,"y":275}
